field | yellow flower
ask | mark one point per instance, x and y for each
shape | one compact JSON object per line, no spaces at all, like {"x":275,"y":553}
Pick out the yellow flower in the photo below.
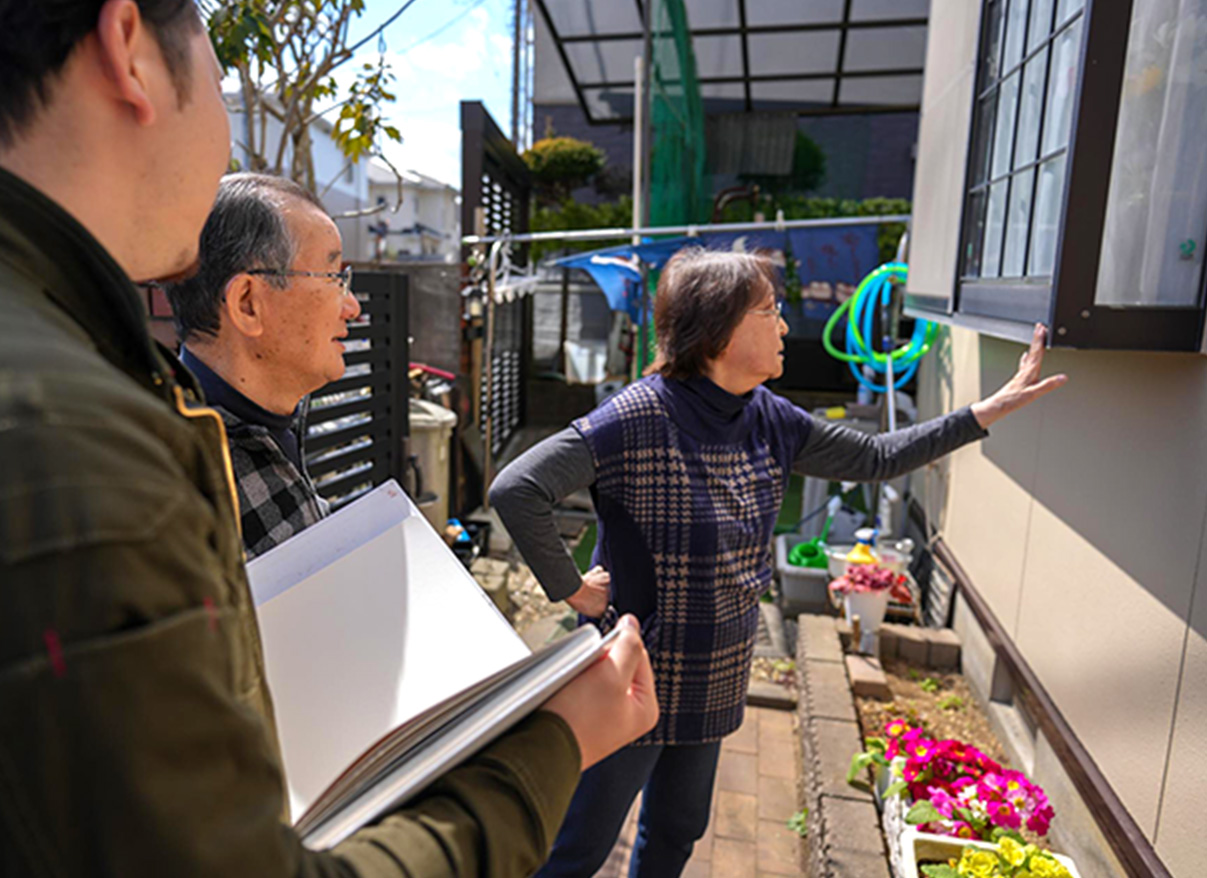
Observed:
{"x":978,"y":864}
{"x":1013,"y":852}
{"x":1043,"y":866}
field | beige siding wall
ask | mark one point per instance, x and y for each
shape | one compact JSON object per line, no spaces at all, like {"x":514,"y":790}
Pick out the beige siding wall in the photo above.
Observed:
{"x":1082,"y":520}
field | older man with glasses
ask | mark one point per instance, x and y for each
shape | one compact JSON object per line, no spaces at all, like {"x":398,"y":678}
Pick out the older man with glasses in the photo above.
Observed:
{"x":262,"y":323}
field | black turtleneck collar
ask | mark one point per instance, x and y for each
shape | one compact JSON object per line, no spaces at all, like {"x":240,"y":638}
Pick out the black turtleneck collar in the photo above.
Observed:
{"x":705,"y":410}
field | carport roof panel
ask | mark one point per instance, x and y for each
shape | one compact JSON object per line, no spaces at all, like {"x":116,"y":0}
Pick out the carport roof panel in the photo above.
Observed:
{"x":806,"y":56}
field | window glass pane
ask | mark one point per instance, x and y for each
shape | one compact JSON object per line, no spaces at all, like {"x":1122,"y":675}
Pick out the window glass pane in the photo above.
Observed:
{"x":981,"y":138}
{"x":1044,"y":230}
{"x":1016,"y":24}
{"x":990,"y":68}
{"x":974,"y":233}
{"x":1041,"y":23}
{"x":1018,"y":222}
{"x":1061,"y":84}
{"x":1156,"y":211}
{"x":1029,"y":109}
{"x":1066,"y":9}
{"x":1003,"y":135}
{"x":991,"y":255}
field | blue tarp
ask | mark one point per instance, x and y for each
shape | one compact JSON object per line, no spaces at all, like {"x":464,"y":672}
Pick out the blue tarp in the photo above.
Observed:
{"x":826,"y":255}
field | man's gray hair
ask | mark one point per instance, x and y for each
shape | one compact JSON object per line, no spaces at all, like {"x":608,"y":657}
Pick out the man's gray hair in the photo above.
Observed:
{"x":245,"y":230}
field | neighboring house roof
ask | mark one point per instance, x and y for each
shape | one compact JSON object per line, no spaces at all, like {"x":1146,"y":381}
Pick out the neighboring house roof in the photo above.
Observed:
{"x":380,"y":173}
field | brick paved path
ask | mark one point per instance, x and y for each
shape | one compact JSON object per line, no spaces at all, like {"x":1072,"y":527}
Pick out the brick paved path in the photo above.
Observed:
{"x":756,"y":793}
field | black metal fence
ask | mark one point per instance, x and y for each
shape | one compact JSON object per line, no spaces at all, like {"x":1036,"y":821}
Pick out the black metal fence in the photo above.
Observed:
{"x":496,"y":189}
{"x":358,"y":428}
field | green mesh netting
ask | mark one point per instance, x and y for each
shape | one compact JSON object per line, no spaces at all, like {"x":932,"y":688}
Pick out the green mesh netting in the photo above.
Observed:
{"x":680,"y":189}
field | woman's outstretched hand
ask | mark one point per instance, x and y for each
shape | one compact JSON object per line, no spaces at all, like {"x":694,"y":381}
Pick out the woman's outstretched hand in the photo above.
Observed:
{"x":1024,"y":388}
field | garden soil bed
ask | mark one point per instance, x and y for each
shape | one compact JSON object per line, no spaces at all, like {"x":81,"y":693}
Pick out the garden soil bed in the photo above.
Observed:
{"x":941,"y":703}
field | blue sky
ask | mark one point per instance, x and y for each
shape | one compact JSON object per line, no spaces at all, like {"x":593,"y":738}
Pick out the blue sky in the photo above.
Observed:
{"x":469,"y":60}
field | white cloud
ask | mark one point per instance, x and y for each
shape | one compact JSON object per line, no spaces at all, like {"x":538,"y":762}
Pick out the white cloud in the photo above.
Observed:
{"x":469,"y":61}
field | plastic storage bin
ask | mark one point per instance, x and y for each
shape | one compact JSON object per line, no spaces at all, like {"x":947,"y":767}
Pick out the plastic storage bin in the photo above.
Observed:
{"x":804,"y":589}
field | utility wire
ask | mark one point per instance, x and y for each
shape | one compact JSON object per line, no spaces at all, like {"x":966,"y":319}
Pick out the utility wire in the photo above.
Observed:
{"x":377,"y":30}
{"x":438,"y":31}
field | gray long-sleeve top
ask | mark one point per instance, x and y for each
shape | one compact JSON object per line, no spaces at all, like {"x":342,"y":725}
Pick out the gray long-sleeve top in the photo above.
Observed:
{"x":526,"y":491}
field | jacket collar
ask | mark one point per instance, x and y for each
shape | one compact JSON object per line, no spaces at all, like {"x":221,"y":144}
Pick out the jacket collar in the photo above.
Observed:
{"x":44,"y":242}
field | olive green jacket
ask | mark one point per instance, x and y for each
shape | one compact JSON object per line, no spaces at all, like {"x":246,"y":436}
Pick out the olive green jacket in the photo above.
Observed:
{"x":136,"y":732}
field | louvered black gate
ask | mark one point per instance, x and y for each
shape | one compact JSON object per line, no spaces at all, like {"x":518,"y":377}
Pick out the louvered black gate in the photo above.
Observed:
{"x":358,"y":427}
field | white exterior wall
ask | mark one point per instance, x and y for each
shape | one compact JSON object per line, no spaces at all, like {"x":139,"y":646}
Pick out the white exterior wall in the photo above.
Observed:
{"x":1082,"y":520}
{"x":426,"y":202}
{"x":341,"y":188}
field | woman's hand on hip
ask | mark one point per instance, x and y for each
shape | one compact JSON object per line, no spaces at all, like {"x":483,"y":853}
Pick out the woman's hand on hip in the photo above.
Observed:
{"x":1024,"y":388}
{"x":591,"y":599}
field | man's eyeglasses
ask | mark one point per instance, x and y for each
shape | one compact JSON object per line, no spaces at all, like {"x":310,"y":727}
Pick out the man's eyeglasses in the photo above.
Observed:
{"x":344,"y":277}
{"x":777,"y":311}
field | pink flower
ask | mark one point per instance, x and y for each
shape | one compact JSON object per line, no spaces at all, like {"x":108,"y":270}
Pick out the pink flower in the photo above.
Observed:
{"x":1004,"y":814}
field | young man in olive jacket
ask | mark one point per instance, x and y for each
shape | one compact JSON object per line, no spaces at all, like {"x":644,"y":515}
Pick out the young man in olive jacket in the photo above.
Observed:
{"x":136,"y":731}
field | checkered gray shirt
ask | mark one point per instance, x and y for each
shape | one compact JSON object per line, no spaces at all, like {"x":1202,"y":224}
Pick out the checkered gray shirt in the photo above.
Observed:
{"x":276,"y":499}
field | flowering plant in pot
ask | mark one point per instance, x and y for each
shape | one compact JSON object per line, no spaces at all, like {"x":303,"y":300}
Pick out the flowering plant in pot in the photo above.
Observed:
{"x":1007,"y":857}
{"x":959,"y":791}
{"x":865,"y":590}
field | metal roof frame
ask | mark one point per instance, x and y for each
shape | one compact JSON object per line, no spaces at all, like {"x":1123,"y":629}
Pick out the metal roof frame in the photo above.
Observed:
{"x":743,"y":31}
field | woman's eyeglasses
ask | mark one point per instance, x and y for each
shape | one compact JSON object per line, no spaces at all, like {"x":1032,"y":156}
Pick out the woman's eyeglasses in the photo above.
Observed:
{"x":344,"y":277}
{"x":777,"y":311}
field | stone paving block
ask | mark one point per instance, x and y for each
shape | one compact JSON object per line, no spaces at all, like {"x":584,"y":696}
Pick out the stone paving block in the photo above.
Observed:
{"x":738,"y":773}
{"x":818,"y":638}
{"x":828,"y":694}
{"x":777,"y":760}
{"x":779,"y":849}
{"x":855,"y":864}
{"x":734,"y":859}
{"x":736,"y":816}
{"x":867,"y":678}
{"x":778,"y":799}
{"x":760,"y":693}
{"x":890,"y":639}
{"x":852,"y":826}
{"x":944,"y":649}
{"x":834,"y":744}
{"x":913,"y":646}
{"x":697,"y":869}
{"x":746,"y":738}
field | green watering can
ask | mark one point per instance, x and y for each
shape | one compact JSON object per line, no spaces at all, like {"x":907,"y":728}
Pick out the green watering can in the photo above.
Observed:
{"x":812,"y":553}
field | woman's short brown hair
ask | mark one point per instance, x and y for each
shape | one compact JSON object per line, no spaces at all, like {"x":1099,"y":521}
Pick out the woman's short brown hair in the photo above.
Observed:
{"x":702,"y":297}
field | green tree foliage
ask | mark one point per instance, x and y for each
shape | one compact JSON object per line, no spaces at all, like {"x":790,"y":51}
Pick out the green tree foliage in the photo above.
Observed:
{"x":561,"y":164}
{"x":573,"y":215}
{"x":808,"y":170}
{"x":285,"y":53}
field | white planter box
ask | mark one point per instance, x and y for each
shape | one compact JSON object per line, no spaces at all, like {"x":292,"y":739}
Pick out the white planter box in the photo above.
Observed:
{"x":917,"y":845}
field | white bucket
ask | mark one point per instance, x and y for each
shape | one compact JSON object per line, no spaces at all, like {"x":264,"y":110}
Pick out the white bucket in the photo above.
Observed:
{"x":870,"y":607}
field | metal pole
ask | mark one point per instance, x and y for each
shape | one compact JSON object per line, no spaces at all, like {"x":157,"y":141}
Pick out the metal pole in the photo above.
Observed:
{"x":638,"y":144}
{"x":515,"y":75}
{"x":625,"y":232}
{"x":488,"y":369}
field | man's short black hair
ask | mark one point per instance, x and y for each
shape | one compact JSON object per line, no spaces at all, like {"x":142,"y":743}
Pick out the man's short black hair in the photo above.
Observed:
{"x":38,"y":36}
{"x":246,"y":230}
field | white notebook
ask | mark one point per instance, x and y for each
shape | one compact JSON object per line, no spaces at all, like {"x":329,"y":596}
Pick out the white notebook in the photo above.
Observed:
{"x":388,"y":664}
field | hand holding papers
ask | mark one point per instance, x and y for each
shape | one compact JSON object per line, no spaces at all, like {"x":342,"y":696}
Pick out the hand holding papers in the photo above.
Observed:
{"x":389,"y":666}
